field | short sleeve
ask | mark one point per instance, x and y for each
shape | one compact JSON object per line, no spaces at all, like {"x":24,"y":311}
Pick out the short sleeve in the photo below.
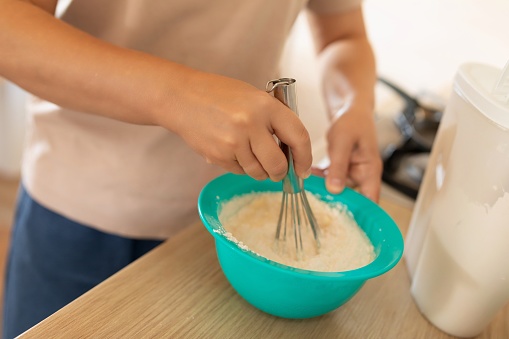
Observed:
{"x":332,"y":6}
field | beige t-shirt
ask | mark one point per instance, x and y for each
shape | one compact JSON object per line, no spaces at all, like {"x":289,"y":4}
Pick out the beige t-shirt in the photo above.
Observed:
{"x":143,"y":181}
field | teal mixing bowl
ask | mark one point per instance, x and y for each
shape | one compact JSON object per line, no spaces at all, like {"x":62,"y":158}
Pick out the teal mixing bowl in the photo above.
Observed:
{"x":290,"y":292}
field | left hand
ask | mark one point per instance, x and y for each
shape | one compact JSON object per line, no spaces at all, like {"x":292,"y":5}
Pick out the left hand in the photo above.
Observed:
{"x":353,"y":152}
{"x":348,"y":73}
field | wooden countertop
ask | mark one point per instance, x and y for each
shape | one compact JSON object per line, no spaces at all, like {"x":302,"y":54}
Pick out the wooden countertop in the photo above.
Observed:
{"x":178,"y":291}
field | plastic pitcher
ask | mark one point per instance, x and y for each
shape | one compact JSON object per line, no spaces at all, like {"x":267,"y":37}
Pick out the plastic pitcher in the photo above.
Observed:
{"x":457,"y":247}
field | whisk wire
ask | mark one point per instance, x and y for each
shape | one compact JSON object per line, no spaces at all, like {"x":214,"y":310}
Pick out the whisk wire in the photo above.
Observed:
{"x":311,"y":218}
{"x":297,"y":225}
{"x":300,"y":211}
{"x":282,"y":214}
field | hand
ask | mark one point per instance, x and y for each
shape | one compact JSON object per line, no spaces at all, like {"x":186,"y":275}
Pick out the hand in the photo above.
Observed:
{"x":354,"y":155}
{"x":232,"y":123}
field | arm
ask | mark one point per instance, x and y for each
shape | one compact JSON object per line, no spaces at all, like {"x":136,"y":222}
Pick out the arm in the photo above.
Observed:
{"x":348,"y":74}
{"x":64,"y":65}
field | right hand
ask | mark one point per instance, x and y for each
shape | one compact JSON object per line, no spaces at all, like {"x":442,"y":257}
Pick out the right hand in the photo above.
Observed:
{"x":231,"y":124}
{"x":227,"y":121}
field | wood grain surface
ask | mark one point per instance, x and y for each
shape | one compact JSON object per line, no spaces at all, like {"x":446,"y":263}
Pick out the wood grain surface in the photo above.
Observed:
{"x":178,"y":291}
{"x":8,"y":192}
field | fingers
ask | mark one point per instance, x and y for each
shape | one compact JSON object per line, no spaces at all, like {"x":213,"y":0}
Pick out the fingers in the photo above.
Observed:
{"x":365,"y":177}
{"x":240,"y":138}
{"x":265,"y":159}
{"x":258,"y":156}
{"x":250,"y":164}
{"x":270,"y":156}
{"x":290,"y":130}
{"x":370,"y":188}
{"x":339,"y":152}
{"x":366,"y":169}
{"x":354,"y":162}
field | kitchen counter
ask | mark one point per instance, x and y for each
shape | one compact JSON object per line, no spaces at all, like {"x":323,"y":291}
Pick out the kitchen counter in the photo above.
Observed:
{"x":179,"y":291}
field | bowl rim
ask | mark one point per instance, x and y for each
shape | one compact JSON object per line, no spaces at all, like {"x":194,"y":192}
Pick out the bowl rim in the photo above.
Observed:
{"x":377,"y":267}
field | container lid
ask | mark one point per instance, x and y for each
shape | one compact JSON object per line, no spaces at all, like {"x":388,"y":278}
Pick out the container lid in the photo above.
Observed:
{"x":477,"y":83}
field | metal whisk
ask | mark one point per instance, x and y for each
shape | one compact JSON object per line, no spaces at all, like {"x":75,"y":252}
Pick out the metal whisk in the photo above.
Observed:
{"x":296,"y":214}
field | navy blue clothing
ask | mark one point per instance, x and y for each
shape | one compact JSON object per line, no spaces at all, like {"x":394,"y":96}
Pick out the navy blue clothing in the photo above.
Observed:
{"x":53,"y":260}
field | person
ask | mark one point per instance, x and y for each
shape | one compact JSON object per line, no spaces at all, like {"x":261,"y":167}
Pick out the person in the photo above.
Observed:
{"x":136,"y":105}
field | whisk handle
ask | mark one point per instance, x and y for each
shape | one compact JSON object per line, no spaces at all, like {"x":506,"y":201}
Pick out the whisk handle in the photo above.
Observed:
{"x":284,"y":91}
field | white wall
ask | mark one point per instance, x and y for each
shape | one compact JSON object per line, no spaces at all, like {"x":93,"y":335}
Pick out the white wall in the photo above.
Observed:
{"x":421,"y":44}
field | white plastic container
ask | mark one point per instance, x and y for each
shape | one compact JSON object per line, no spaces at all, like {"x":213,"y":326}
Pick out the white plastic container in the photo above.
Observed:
{"x":457,"y":247}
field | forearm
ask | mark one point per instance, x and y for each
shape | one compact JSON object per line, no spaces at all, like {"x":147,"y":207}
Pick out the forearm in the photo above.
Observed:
{"x":229,"y":122}
{"x":66,"y":66}
{"x":346,"y":60}
{"x":348,"y":74}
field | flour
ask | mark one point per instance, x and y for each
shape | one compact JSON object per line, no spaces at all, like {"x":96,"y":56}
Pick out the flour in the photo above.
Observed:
{"x":250,"y":220}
